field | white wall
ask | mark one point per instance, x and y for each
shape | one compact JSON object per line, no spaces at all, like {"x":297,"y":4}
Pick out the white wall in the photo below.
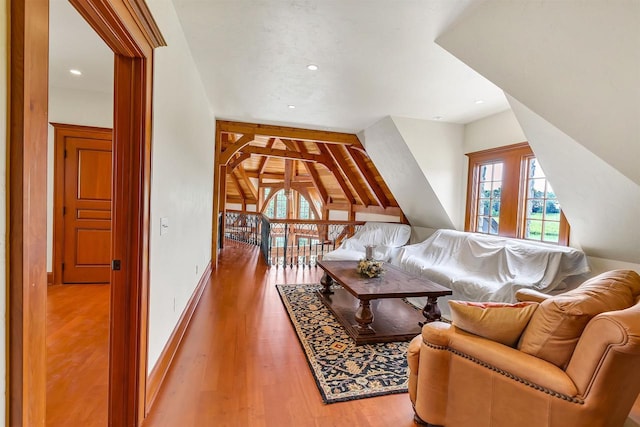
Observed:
{"x":366,"y":216}
{"x":494,"y":131}
{"x":335,"y":215}
{"x":76,"y":107}
{"x":437,"y":148}
{"x":401,"y":171}
{"x":577,"y":66}
{"x":182,"y":180}
{"x":4,"y":52}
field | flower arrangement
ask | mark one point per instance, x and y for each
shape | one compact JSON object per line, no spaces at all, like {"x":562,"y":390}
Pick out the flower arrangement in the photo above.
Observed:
{"x":370,"y":268}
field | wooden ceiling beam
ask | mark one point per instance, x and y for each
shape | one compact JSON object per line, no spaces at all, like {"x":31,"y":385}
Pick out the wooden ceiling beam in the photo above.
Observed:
{"x":288,"y":171}
{"x":287,"y":132}
{"x":237,"y":160}
{"x":285,"y":154}
{"x":333,"y":167}
{"x":347,"y":171}
{"x":236,"y":182}
{"x":232,"y":149}
{"x":248,"y":183}
{"x":232,"y":199}
{"x":264,"y":160}
{"x":267,"y":175}
{"x":304,"y":183}
{"x":366,"y":173}
{"x":289,"y":144}
{"x":311,"y":170}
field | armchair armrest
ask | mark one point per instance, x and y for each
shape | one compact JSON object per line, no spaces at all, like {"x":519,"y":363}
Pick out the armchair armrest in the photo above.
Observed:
{"x":499,"y":358}
{"x":525,"y":294}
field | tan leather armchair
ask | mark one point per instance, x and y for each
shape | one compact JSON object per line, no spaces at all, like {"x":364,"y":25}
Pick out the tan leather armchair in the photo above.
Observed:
{"x":458,"y":379}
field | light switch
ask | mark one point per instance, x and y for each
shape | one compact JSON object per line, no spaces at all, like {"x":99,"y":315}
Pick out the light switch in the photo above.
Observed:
{"x":164,"y":225}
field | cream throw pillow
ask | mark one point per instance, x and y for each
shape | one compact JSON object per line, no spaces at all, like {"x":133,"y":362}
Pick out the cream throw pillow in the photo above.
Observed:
{"x":498,"y":322}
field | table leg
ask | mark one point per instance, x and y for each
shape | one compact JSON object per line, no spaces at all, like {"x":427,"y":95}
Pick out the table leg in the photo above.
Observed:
{"x":364,"y":317}
{"x":326,"y":281}
{"x":431,"y":311}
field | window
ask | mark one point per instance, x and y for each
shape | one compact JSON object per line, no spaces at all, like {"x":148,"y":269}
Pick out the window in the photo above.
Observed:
{"x":489,"y":191}
{"x":508,"y":195}
{"x":304,"y":210}
{"x":270,"y":207}
{"x":542,"y":217}
{"x":277,"y":207}
{"x":281,"y":204}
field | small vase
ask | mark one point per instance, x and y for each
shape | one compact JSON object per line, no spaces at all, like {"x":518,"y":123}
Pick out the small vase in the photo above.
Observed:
{"x":369,"y":252}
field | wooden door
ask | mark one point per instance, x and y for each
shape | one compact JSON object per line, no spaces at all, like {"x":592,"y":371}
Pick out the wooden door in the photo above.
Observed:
{"x":83,"y":236}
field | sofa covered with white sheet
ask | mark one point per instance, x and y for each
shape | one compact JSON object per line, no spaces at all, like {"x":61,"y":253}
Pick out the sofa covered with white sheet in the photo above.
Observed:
{"x":386,"y":237}
{"x":478,"y":267}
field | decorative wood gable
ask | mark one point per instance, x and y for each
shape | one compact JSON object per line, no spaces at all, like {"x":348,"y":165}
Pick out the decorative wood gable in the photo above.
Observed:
{"x":330,"y":169}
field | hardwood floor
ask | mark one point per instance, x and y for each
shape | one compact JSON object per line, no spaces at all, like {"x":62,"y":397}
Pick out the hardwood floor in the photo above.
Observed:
{"x":77,"y":355}
{"x":240,"y":363}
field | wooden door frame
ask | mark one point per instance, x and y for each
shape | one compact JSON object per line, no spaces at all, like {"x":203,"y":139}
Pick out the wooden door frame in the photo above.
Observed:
{"x":128,"y":28}
{"x":61,"y":131}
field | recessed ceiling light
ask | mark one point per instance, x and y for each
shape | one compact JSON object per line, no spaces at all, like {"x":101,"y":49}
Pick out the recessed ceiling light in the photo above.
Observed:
{"x":479,"y":101}
{"x":292,"y":106}
{"x":75,"y":72}
{"x":437,"y":117}
{"x":312,"y":67}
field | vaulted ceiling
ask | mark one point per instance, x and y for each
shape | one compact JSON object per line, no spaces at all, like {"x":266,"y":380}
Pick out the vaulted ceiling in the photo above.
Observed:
{"x":330,"y":169}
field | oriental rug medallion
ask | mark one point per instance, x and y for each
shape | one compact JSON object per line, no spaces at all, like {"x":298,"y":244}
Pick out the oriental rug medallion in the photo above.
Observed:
{"x":342,"y":370}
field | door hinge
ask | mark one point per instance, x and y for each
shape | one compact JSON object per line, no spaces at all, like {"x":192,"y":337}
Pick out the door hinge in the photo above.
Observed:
{"x":64,"y":210}
{"x":115,"y":265}
{"x":65,"y":153}
{"x":63,"y":266}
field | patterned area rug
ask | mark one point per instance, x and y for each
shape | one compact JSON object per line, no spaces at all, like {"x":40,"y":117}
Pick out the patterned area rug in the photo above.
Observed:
{"x":343,"y":371}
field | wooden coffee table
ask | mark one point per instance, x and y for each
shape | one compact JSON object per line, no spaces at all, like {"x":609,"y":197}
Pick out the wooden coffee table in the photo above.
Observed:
{"x":372,"y":309}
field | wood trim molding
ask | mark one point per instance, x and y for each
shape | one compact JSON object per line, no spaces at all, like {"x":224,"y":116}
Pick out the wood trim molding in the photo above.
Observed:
{"x":160,"y":369}
{"x":148,"y":23}
{"x":49,"y":278}
{"x":27,"y":213}
{"x":498,"y":151}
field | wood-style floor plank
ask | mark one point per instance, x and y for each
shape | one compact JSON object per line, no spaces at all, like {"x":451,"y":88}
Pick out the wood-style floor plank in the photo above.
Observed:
{"x":77,"y":355}
{"x":241,"y":364}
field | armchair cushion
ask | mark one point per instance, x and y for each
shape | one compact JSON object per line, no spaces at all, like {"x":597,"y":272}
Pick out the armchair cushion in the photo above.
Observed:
{"x":554,"y":329}
{"x":500,"y":322}
{"x":491,"y":354}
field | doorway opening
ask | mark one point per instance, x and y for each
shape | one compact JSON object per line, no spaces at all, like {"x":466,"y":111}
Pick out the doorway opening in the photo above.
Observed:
{"x":130,"y":32}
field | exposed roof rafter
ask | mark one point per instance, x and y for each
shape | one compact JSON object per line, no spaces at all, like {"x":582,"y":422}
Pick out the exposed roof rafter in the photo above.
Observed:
{"x":333,"y":166}
{"x":344,"y":168}
{"x":281,"y":157}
